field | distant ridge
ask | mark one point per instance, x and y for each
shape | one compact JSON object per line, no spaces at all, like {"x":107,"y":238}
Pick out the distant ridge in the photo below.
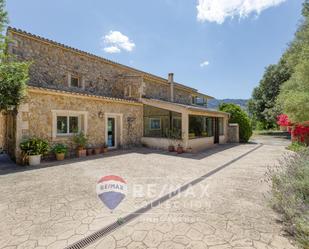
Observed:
{"x":214,"y":103}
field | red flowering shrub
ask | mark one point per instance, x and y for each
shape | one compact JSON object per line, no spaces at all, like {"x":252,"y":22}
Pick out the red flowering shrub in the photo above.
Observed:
{"x":300,"y":132}
{"x":283,"y":120}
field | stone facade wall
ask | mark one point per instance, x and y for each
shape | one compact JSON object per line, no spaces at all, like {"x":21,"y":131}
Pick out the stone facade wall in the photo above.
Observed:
{"x":40,"y":119}
{"x":2,"y":131}
{"x":52,"y":66}
{"x":182,"y":96}
{"x":156,"y":90}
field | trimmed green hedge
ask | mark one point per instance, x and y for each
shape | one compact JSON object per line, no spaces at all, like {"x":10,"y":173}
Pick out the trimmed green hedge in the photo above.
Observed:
{"x":241,"y":118}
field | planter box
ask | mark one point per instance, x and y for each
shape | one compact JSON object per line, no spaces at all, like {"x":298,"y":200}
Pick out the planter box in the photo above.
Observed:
{"x":34,"y":160}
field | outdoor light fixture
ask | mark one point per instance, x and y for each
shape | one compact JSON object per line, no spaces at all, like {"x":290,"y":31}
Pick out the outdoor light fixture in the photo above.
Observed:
{"x":101,"y":114}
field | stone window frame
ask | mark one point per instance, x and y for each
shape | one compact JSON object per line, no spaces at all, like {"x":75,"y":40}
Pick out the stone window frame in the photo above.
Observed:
{"x":82,"y":121}
{"x":151,"y":119}
{"x":81,"y":80}
{"x":128,"y":91}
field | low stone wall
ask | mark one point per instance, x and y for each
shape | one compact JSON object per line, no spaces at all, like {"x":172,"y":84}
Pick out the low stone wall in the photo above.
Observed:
{"x":2,"y":131}
{"x":233,"y":133}
{"x":198,"y":144}
{"x":222,"y":139}
{"x":158,"y":143}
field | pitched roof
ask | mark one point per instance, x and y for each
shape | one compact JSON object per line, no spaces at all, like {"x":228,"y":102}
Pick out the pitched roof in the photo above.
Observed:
{"x":144,"y":74}
{"x":79,"y":94}
{"x":192,"y":108}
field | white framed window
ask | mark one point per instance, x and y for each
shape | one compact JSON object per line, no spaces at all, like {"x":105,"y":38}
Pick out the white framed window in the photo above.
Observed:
{"x":66,"y":123}
{"x":155,"y":123}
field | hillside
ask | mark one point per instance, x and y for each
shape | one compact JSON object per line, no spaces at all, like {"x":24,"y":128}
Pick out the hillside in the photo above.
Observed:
{"x":214,"y":103}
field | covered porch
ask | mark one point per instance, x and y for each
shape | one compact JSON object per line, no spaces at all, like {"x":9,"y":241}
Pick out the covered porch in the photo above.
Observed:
{"x":194,"y":127}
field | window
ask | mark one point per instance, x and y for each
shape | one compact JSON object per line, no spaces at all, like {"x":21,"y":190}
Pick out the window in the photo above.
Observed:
{"x":200,"y":126}
{"x":74,"y":81}
{"x":155,"y":124}
{"x":176,"y":123}
{"x":221,"y":126}
{"x":209,"y":122}
{"x":193,"y":99}
{"x":67,"y":125}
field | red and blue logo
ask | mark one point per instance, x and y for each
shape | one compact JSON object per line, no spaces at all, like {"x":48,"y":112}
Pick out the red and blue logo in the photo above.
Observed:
{"x":111,"y":190}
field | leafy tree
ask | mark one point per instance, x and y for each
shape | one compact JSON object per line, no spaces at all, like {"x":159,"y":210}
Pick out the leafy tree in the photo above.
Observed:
{"x":241,"y":118}
{"x":262,"y":106}
{"x":294,"y":95}
{"x":13,"y":74}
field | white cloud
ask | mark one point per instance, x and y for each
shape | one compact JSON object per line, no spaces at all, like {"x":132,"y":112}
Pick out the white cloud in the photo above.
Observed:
{"x":204,"y":64}
{"x":115,"y":42}
{"x":112,"y":49}
{"x":219,"y":10}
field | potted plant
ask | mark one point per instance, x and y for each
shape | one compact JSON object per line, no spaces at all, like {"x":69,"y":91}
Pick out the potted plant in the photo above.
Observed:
{"x":104,"y":148}
{"x":60,"y":150}
{"x":97,"y":150}
{"x":80,"y":140}
{"x":89,"y":150}
{"x":171,"y":148}
{"x":173,"y":136}
{"x":34,"y":148}
{"x":179,"y":149}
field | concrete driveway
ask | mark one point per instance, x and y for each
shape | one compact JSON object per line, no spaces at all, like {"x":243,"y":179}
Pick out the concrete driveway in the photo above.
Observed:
{"x":55,"y":206}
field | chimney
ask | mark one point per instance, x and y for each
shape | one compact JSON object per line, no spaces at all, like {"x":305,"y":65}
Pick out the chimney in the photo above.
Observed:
{"x":171,"y":81}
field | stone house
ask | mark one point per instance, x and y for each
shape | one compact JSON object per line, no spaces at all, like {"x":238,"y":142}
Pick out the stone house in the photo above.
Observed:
{"x":70,"y":90}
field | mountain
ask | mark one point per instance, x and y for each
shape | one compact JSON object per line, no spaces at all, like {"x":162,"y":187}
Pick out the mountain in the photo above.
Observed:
{"x":214,"y":103}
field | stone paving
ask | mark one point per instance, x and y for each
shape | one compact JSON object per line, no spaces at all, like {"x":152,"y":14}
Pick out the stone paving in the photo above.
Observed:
{"x":234,"y":215}
{"x":54,"y":207}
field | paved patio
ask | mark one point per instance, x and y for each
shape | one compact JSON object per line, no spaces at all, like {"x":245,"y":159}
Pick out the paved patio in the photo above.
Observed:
{"x":55,"y":206}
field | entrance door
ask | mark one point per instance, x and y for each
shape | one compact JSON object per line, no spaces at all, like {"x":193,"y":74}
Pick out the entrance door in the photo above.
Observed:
{"x":216,"y":130}
{"x":111,"y":132}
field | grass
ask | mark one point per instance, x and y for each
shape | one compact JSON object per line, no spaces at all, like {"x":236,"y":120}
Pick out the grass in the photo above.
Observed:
{"x":297,"y":146}
{"x":290,"y":194}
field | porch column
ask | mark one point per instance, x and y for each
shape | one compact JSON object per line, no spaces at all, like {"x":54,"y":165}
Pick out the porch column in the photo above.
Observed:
{"x":185,"y":128}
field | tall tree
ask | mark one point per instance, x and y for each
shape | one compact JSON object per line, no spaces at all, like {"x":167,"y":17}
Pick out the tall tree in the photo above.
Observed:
{"x":294,"y":95}
{"x":262,"y":105}
{"x":13,"y":74}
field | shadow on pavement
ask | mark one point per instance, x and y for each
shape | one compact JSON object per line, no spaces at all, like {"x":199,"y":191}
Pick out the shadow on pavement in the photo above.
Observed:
{"x":9,"y":167}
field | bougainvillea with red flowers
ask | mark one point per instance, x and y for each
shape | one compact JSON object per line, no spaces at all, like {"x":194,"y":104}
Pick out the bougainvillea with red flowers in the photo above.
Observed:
{"x":298,"y":131}
{"x":283,"y":120}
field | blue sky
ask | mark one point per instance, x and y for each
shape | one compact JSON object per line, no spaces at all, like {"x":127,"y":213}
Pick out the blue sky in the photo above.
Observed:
{"x":236,"y":39}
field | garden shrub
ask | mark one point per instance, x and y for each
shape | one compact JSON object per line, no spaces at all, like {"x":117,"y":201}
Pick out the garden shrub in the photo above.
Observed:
{"x":290,"y":194}
{"x":241,"y":118}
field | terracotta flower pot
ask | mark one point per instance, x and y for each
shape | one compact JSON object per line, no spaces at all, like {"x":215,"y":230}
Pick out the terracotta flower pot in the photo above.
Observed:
{"x":81,"y":153}
{"x":179,"y":149}
{"x":171,"y":148}
{"x":97,"y":150}
{"x":89,"y":151}
{"x":60,"y":156}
